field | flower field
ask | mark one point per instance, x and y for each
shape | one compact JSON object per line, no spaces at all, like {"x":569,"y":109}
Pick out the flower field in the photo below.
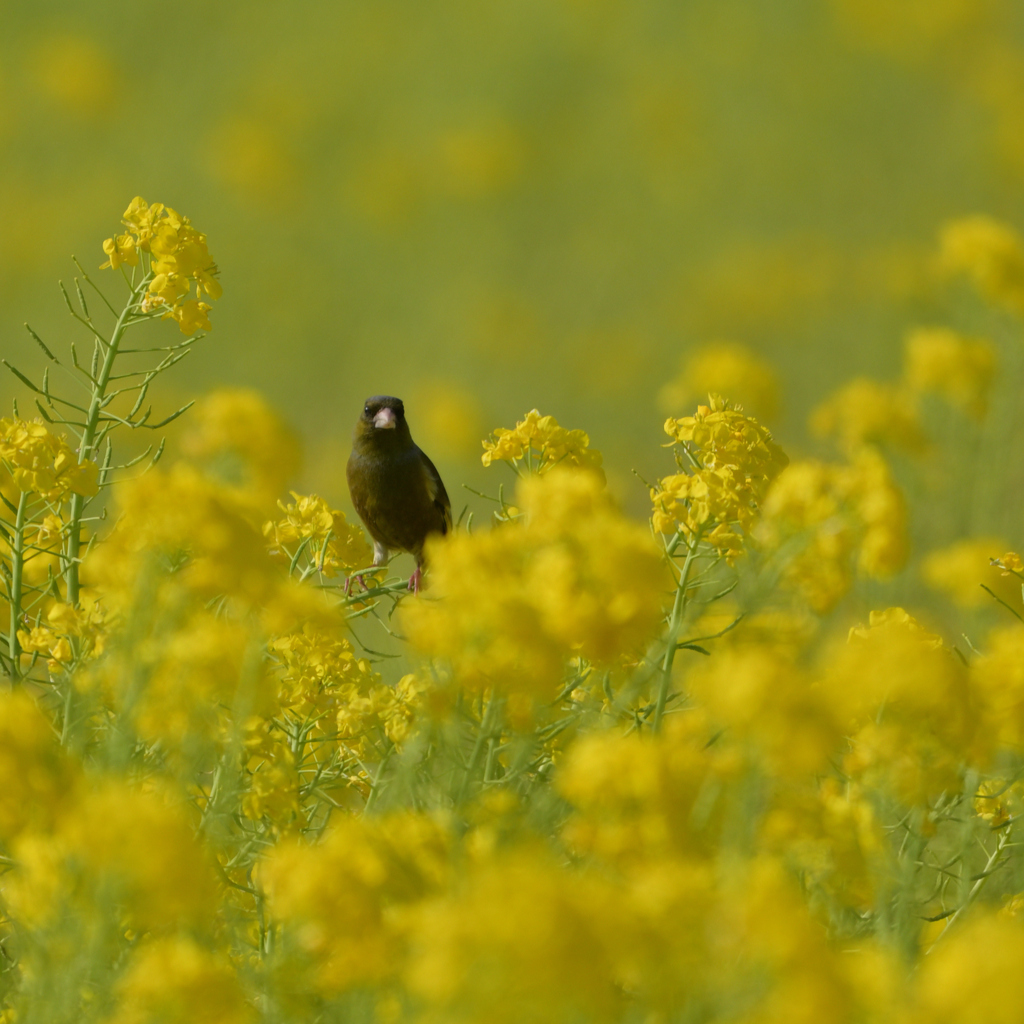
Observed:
{"x":630,"y":771}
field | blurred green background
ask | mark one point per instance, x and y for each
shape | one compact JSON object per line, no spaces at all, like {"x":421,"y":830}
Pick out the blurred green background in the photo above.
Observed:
{"x":487,"y":207}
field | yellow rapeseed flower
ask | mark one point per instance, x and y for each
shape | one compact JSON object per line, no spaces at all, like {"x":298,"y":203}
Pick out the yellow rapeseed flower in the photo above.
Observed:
{"x":174,"y":980}
{"x":235,"y":435}
{"x":336,"y":900}
{"x":906,"y":703}
{"x":337,"y":545}
{"x":179,"y":261}
{"x":115,"y":846}
{"x":833,"y":521}
{"x":724,"y":368}
{"x":542,"y":444}
{"x":866,"y":412}
{"x":521,"y":939}
{"x":971,"y":976}
{"x":962,"y":569}
{"x":40,"y":462}
{"x":508,"y":607}
{"x":991,"y":253}
{"x":37,"y":780}
{"x":961,"y":369}
{"x":734,"y":460}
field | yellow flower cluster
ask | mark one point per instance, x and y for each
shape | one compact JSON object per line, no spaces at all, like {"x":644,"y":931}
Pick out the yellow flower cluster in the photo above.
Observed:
{"x":68,"y":632}
{"x":179,"y":260}
{"x":631,"y":780}
{"x":724,"y":368}
{"x":315,"y":665}
{"x":509,"y":607}
{"x":903,"y":700}
{"x":343,"y":898}
{"x":39,"y":780}
{"x":734,"y":460}
{"x":868,"y":412}
{"x":965,"y":568}
{"x":113,"y":843}
{"x":178,"y":981}
{"x":835,"y":520}
{"x":241,"y":442}
{"x":323,"y":680}
{"x":39,"y":462}
{"x":991,"y":253}
{"x":335,"y":544}
{"x":190,"y":521}
{"x":540,"y":443}
{"x":944,"y":362}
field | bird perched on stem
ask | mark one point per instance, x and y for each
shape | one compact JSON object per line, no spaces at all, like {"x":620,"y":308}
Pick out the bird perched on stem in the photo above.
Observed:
{"x":395,"y":488}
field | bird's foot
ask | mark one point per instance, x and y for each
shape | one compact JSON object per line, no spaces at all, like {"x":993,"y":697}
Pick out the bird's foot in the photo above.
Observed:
{"x":358,"y":578}
{"x":414,"y":580}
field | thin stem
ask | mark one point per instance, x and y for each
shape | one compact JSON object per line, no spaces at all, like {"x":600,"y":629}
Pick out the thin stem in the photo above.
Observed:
{"x":982,"y":878}
{"x":78,"y":501}
{"x":17,"y":568}
{"x":486,"y":724}
{"x":674,"y":623}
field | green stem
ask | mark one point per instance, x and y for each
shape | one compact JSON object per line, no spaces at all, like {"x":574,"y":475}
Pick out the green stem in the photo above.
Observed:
{"x":378,"y":781}
{"x":990,"y":866}
{"x":99,"y":391}
{"x":486,"y":725}
{"x":17,"y":570}
{"x":674,"y":623}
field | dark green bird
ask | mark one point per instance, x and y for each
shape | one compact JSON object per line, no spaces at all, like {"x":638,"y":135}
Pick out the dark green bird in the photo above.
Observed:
{"x":395,"y":488}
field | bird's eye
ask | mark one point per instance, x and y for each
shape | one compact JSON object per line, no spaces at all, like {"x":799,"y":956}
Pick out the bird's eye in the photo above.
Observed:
{"x":366,"y":411}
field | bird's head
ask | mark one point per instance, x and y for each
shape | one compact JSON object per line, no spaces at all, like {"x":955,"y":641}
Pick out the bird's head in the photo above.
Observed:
{"x":382,"y":423}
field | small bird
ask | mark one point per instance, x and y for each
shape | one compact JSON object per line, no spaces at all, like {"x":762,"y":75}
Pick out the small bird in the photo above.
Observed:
{"x":395,"y":488}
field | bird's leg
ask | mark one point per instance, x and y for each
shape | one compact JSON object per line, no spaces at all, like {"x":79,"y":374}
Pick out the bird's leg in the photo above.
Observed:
{"x":380,"y":556}
{"x":415,"y":578}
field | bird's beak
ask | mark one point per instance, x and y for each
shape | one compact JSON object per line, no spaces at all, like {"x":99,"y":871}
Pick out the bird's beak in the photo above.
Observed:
{"x":385,"y":419}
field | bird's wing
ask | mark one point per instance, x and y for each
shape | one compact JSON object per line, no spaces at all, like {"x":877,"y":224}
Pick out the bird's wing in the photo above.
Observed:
{"x":438,"y":495}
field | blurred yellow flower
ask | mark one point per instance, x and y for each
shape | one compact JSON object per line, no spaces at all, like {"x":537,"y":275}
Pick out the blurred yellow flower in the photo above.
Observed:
{"x":509,"y":606}
{"x":867,"y":411}
{"x":767,"y":703}
{"x":728,"y":369}
{"x":195,"y":524}
{"x":174,"y":980}
{"x":970,"y":977}
{"x":481,"y":160}
{"x":521,"y":940}
{"x":37,"y":779}
{"x":237,"y":437}
{"x":997,"y":801}
{"x":991,"y":253}
{"x":118,"y":845}
{"x":832,"y":835}
{"x":997,"y":683}
{"x":251,"y":156}
{"x":960,"y":570}
{"x":939,"y":360}
{"x":77,"y":74}
{"x":1010,"y":562}
{"x":449,"y":418}
{"x":337,"y":899}
{"x":911,"y":28}
{"x":906,"y":703}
